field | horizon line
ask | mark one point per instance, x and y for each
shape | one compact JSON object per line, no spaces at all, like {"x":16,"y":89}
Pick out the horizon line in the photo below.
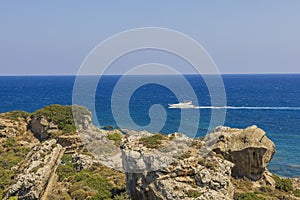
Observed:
{"x":254,"y":73}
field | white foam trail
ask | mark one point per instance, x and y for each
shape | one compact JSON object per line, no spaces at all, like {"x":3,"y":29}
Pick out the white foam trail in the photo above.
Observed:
{"x":247,"y":108}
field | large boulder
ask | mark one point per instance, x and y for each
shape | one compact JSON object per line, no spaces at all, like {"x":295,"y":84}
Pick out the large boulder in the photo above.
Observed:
{"x":249,"y":149}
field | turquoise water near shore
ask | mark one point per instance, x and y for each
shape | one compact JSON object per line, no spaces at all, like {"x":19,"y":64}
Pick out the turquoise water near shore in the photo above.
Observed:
{"x":269,"y":101}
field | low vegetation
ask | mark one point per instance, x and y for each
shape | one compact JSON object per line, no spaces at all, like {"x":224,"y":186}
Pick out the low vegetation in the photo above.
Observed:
{"x":116,"y":137}
{"x":99,"y":183}
{"x":283,"y":189}
{"x":296,"y":193}
{"x":194,"y":194}
{"x":152,"y":141}
{"x":15,"y":115}
{"x":11,"y":153}
{"x":248,"y":196}
{"x":60,"y":115}
{"x":283,"y":184}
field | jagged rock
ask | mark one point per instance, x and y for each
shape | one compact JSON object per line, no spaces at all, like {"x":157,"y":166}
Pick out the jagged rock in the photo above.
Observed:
{"x":40,"y":165}
{"x":83,"y":162}
{"x":12,"y":128}
{"x":42,"y":128}
{"x":179,"y":173}
{"x":249,"y":149}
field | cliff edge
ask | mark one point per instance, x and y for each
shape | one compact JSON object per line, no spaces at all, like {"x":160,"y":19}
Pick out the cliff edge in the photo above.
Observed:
{"x":49,"y":154}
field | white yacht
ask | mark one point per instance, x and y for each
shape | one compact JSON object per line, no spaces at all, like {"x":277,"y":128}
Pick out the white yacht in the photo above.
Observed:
{"x":182,"y":105}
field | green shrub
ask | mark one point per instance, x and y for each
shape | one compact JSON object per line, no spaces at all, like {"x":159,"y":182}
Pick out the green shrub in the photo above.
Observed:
{"x":185,"y":155}
{"x":61,"y":116}
{"x":122,"y":196}
{"x":16,"y":115}
{"x":152,"y":141}
{"x":296,"y":193}
{"x":102,"y":195}
{"x":79,"y":194}
{"x":10,"y":142}
{"x":247,"y":196}
{"x":65,"y":171}
{"x":117,"y":138}
{"x":283,"y":184}
{"x":194,"y":193}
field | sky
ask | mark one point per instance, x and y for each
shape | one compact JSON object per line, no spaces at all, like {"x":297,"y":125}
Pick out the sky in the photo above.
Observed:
{"x":54,"y":37}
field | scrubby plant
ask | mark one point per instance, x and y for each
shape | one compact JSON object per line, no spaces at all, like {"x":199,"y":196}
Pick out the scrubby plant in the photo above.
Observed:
{"x":296,"y":193}
{"x":152,"y":141}
{"x":117,"y":138}
{"x":194,"y":193}
{"x":185,"y":155}
{"x":9,"y":142}
{"x":91,"y":184}
{"x":11,"y":154}
{"x":79,"y":194}
{"x":65,"y":171}
{"x":16,"y":115}
{"x":60,"y":115}
{"x":122,"y":196}
{"x":283,"y":184}
{"x":248,"y":196}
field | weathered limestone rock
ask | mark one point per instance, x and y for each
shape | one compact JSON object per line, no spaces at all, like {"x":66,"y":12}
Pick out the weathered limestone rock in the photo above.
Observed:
{"x":169,"y":172}
{"x":36,"y":171}
{"x":249,"y":149}
{"x":42,"y":128}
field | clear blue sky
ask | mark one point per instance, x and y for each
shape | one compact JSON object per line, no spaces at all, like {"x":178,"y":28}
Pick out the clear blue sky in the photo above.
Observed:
{"x":53,"y":37}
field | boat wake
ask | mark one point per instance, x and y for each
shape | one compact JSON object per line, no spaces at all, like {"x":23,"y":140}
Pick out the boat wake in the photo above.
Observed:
{"x":189,"y":105}
{"x":246,"y":108}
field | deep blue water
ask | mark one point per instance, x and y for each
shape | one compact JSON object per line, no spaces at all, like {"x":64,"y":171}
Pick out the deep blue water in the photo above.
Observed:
{"x":280,"y":93}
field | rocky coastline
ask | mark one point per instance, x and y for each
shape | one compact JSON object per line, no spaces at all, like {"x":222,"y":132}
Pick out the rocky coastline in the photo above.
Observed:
{"x":49,"y":154}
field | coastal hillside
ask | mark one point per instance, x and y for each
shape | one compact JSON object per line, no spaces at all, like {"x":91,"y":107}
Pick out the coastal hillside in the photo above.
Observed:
{"x":49,"y":154}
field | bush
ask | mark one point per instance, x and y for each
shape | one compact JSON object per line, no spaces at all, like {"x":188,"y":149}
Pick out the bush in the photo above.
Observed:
{"x":16,"y":115}
{"x":61,"y":116}
{"x":296,"y":193}
{"x":102,"y":195}
{"x":117,"y":138}
{"x":247,"y":196}
{"x":194,"y":193}
{"x":65,"y":171}
{"x":122,"y":196}
{"x":153,"y":141}
{"x":79,"y":194}
{"x":283,"y":184}
{"x":10,"y":142}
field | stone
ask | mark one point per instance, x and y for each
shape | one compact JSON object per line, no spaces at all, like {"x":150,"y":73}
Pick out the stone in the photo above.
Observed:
{"x":249,"y":149}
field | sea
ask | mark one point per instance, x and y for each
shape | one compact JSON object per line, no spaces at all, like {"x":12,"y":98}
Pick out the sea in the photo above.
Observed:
{"x":270,"y":101}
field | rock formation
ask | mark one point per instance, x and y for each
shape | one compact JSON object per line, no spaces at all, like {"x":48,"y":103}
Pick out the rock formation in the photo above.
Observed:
{"x":42,"y":128}
{"x":227,"y":164}
{"x":37,"y":169}
{"x":173,"y":169}
{"x":249,"y":149}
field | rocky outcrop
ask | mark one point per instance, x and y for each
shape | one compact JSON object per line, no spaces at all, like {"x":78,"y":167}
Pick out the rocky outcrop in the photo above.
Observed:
{"x":36,"y":171}
{"x":173,"y":170}
{"x":12,"y":128}
{"x":183,"y":168}
{"x":249,"y":149}
{"x":105,"y":150}
{"x":157,"y":166}
{"x":42,"y":128}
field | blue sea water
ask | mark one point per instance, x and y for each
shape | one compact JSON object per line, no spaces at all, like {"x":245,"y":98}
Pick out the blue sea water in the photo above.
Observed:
{"x":269,"y":101}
